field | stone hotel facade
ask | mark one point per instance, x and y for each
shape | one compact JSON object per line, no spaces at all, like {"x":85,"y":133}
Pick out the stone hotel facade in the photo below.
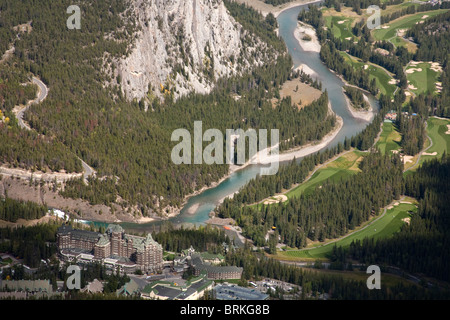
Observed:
{"x":115,"y":248}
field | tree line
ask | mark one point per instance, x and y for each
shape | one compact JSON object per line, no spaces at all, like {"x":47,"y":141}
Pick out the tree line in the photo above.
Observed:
{"x":422,"y":245}
{"x":11,"y":210}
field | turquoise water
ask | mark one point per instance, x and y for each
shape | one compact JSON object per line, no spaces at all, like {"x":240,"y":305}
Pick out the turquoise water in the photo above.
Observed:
{"x":197,"y":209}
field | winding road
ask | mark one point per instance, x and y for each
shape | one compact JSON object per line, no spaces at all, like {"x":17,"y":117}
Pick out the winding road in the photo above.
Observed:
{"x":19,"y":113}
{"x":42,"y":94}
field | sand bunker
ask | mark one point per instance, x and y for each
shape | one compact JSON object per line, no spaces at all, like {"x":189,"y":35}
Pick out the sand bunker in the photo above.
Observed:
{"x":277,"y":199}
{"x":412,"y":70}
{"x":393,"y":81}
{"x":407,"y":93}
{"x":385,"y":27}
{"x":425,"y":16}
{"x":390,"y":207}
{"x":429,"y":154}
{"x":406,"y":220}
{"x":342,"y":21}
{"x":436,"y":67}
{"x":366,"y":66}
{"x":348,"y":38}
{"x":448,"y":131}
{"x":411,"y":87}
{"x":407,"y":159}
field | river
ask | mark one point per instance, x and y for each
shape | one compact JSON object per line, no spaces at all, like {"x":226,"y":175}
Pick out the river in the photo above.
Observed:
{"x":197,"y":209}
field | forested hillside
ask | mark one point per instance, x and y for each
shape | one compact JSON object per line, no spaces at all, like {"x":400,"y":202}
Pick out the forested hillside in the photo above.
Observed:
{"x":129,"y":147}
{"x":331,"y":211}
{"x":422,"y":245}
{"x":12,"y":210}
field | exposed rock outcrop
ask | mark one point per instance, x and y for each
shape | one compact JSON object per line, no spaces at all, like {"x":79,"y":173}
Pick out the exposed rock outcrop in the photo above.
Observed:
{"x":183,"y":46}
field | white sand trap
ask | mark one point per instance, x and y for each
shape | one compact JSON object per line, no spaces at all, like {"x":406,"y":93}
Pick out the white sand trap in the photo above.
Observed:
{"x":406,"y":220}
{"x":342,"y":21}
{"x":412,"y":70}
{"x":393,"y":81}
{"x":407,"y":93}
{"x":396,"y":204}
{"x":421,"y":21}
{"x":385,"y":27}
{"x":407,"y":159}
{"x":390,"y":207}
{"x":281,"y":198}
{"x":366,"y":66}
{"x":411,"y":87}
{"x":425,"y":16}
{"x":448,"y":131}
{"x":276,"y":199}
{"x":394,"y":151}
{"x":429,"y":154}
{"x":348,"y":38}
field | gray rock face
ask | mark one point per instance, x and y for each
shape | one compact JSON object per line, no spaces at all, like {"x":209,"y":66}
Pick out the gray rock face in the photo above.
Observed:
{"x":183,"y":46}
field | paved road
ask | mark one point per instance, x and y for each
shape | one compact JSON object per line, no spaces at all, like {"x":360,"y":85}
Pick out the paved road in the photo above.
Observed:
{"x":42,"y":94}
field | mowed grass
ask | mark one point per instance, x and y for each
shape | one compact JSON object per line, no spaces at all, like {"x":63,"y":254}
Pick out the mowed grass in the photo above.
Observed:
{"x":340,"y":26}
{"x":341,"y":168}
{"x":389,"y":138}
{"x":423,"y":81}
{"x":436,"y":130}
{"x":400,"y":42}
{"x":404,"y":22}
{"x":387,"y":279}
{"x":384,"y":227}
{"x":381,"y":77}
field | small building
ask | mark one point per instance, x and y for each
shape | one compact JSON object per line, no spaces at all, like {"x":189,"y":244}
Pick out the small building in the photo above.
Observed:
{"x":212,"y":271}
{"x":128,"y":289}
{"x":93,"y":287}
{"x":234,"y":292}
{"x":191,"y":290}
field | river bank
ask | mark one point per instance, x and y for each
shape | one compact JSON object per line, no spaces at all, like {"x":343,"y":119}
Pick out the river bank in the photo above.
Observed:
{"x":307,"y":37}
{"x":266,"y":8}
{"x":366,"y":115}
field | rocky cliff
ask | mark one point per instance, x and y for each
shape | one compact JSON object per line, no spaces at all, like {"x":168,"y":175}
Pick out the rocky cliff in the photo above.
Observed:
{"x":184,"y":46}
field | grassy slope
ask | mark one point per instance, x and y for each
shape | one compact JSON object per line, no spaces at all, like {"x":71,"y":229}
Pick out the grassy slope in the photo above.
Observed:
{"x":384,"y":227}
{"x":404,"y":22}
{"x":381,"y":77}
{"x":342,"y":167}
{"x":389,"y":139}
{"x":436,"y":130}
{"x":424,"y":80}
